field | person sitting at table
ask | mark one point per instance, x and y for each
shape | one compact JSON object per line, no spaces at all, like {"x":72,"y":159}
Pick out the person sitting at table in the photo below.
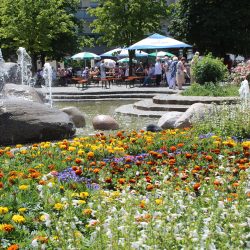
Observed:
{"x":85,"y":73}
{"x":140,"y":70}
{"x":116,"y":70}
{"x":149,"y":73}
{"x":94,"y":72}
{"x":121,"y":72}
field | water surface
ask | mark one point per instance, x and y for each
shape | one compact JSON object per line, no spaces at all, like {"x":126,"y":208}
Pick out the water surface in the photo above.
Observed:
{"x":93,"y":108}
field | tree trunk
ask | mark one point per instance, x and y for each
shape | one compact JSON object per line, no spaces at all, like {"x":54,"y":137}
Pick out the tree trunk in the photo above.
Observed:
{"x":34,"y":63}
{"x":42,"y":58}
{"x":131,"y":54}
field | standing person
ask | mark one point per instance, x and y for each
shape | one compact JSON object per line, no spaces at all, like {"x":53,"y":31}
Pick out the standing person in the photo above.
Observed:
{"x":103,"y":72}
{"x":194,"y":61}
{"x":158,"y":71}
{"x":167,"y":69}
{"x":173,"y":69}
{"x":180,"y":73}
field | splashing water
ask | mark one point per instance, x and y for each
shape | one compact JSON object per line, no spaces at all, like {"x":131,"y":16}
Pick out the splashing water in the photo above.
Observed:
{"x":47,"y":75}
{"x":24,"y":65}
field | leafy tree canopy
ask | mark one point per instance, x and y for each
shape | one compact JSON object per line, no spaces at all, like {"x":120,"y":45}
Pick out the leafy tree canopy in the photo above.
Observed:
{"x":123,"y":22}
{"x":219,"y":26}
{"x":38,"y":25}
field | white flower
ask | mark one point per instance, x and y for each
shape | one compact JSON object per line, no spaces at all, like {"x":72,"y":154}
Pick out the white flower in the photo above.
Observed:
{"x":39,"y":187}
{"x":50,"y":184}
{"x":121,"y":242}
{"x":109,"y":234}
{"x":212,"y":246}
{"x":34,"y":243}
{"x":220,"y":204}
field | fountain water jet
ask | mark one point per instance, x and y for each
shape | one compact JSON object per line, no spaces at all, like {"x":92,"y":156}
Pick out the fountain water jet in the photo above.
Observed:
{"x":24,"y":65}
{"x":47,"y":75}
{"x":2,"y":80}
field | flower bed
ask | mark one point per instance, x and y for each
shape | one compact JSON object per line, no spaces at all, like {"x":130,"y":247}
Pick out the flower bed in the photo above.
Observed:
{"x":136,"y":190}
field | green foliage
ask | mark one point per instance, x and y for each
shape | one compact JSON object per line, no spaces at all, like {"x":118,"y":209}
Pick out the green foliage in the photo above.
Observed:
{"x":123,"y":22}
{"x":211,"y":26}
{"x":211,"y":89}
{"x":209,"y":69}
{"x":39,"y":25}
{"x":226,"y":120}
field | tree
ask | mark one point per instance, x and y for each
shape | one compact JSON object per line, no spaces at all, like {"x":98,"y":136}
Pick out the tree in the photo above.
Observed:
{"x":38,"y":25}
{"x":124,"y":22}
{"x":219,"y":26}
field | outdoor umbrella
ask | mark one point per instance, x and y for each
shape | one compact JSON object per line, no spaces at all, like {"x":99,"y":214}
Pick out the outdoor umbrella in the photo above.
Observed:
{"x":157,"y":41}
{"x":109,"y":63}
{"x":112,"y":53}
{"x":86,"y":56}
{"x":160,"y":54}
{"x":126,"y":60}
{"x":138,"y":53}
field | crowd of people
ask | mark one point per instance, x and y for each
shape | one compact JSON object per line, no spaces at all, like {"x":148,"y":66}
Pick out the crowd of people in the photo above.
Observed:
{"x":171,"y":72}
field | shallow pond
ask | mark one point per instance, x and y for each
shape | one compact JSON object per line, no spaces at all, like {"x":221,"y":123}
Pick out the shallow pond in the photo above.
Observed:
{"x":93,"y":108}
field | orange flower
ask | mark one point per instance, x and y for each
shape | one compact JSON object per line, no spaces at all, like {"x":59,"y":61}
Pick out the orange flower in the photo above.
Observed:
{"x":132,"y":181}
{"x":102,"y":163}
{"x":208,"y":157}
{"x":1,"y":185}
{"x":90,"y":154}
{"x":74,"y":168}
{"x":13,"y":247}
{"x":96,"y":170}
{"x":173,"y":148}
{"x":242,"y":167}
{"x":150,"y":187}
{"x":1,"y":174}
{"x":196,"y":186}
{"x":196,"y":167}
{"x":188,"y":156}
{"x":42,"y":182}
{"x":138,"y":163}
{"x":93,"y":163}
{"x":128,"y":160}
{"x":41,"y":239}
{"x":78,"y":171}
{"x":87,"y":211}
{"x":8,"y":228}
{"x":78,"y":161}
{"x":122,"y":181}
{"x":179,"y":145}
{"x":172,"y":161}
{"x":236,"y":184}
{"x":217,"y":182}
{"x":108,"y":180}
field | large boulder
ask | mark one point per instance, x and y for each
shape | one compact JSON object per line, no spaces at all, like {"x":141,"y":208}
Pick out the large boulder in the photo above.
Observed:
{"x":168,"y":120}
{"x":76,"y":116}
{"x":195,"y":111}
{"x":25,"y":122}
{"x":24,"y":92}
{"x":104,"y":122}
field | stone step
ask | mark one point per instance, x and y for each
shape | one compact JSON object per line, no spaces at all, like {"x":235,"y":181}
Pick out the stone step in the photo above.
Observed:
{"x":130,"y":110}
{"x":94,"y":99}
{"x":111,"y":92}
{"x":104,"y":96}
{"x":151,"y":106}
{"x":189,"y":100}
